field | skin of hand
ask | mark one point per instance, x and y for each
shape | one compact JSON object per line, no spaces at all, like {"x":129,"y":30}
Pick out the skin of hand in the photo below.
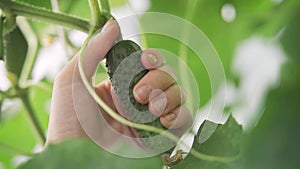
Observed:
{"x":158,"y":88}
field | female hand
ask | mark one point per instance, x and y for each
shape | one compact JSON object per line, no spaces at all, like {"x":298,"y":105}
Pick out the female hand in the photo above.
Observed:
{"x":158,"y":88}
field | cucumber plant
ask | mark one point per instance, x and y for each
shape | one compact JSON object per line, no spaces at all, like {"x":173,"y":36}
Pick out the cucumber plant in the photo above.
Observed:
{"x":13,"y":50}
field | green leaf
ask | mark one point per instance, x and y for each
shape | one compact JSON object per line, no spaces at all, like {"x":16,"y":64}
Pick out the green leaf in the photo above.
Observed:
{"x":260,"y":17}
{"x":1,"y":102}
{"x":41,"y":3}
{"x":22,"y":131}
{"x":274,"y":143}
{"x":224,"y":142}
{"x":15,"y":51}
{"x":40,"y":97}
{"x":78,"y":154}
{"x":291,"y":37}
{"x":77,"y":8}
{"x":17,"y":136}
{"x":117,"y":3}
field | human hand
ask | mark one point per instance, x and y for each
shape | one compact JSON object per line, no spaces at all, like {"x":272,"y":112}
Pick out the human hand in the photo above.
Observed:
{"x":158,"y":88}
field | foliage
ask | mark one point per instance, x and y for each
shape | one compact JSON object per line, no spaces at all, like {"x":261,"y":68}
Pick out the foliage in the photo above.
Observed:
{"x":85,"y":154}
{"x":263,"y":147}
{"x":274,"y":143}
{"x":225,"y":142}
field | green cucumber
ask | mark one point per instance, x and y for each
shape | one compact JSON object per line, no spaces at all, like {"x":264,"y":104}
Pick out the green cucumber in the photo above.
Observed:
{"x":125,"y":70}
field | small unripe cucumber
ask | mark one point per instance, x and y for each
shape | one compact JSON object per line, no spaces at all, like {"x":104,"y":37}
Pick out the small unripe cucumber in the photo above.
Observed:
{"x":125,"y":69}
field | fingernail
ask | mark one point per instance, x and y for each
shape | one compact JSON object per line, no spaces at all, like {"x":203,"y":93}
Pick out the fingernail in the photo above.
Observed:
{"x":108,"y":25}
{"x":152,"y":59}
{"x":158,"y":105}
{"x":143,"y":92}
{"x":170,"y":117}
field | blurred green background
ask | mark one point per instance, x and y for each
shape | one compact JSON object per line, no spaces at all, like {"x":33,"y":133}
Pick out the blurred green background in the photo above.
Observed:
{"x":258,"y":44}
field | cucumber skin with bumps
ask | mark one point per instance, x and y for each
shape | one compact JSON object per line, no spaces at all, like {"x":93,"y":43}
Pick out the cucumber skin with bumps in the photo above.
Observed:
{"x":131,"y":72}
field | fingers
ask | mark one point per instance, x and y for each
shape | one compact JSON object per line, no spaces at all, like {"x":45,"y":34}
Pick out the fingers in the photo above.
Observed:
{"x":180,"y":117}
{"x":162,"y":102}
{"x":155,"y":79}
{"x":98,"y":46}
{"x":158,"y":88}
{"x":95,"y":51}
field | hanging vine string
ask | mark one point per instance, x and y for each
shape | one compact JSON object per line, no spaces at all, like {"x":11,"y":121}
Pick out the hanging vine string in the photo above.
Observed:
{"x":124,"y":121}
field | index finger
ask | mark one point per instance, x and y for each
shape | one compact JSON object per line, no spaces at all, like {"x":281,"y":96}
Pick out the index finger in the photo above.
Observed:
{"x":98,"y":46}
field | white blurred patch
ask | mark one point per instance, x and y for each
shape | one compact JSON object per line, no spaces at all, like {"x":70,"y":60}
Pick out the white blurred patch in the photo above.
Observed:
{"x":50,"y":60}
{"x":19,"y":160}
{"x":38,"y":148}
{"x":140,"y":6}
{"x":187,"y":139}
{"x":4,"y":82}
{"x":129,"y":23}
{"x":10,"y":108}
{"x":126,"y":17}
{"x":77,"y":37}
{"x":257,"y":62}
{"x":228,"y":12}
{"x":1,"y":165}
{"x":277,"y":1}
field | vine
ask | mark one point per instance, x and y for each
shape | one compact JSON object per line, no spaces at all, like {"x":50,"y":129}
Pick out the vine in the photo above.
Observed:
{"x":100,"y":12}
{"x":33,"y":118}
{"x":124,"y":121}
{"x":33,"y":12}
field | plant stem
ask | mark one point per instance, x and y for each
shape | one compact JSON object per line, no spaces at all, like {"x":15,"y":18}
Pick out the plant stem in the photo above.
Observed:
{"x":104,"y":6}
{"x":126,"y":122}
{"x":95,"y":13}
{"x":32,"y":50}
{"x":32,"y":116}
{"x":1,"y":36}
{"x":32,"y":12}
{"x":100,"y":12}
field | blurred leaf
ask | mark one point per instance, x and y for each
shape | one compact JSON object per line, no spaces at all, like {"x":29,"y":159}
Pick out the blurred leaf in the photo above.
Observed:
{"x":6,"y":159}
{"x":15,"y":51}
{"x":224,"y":142}
{"x":275,"y":19}
{"x":274,"y":143}
{"x":263,"y":17}
{"x":78,"y":154}
{"x":77,"y":8}
{"x":100,"y":74}
{"x":40,"y":97}
{"x":40,"y":3}
{"x":290,"y":38}
{"x":117,"y":3}
{"x":17,"y":134}
{"x":1,"y":102}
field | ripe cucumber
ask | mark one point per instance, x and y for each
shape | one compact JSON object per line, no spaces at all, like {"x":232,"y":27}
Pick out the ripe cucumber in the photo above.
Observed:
{"x":125,"y":70}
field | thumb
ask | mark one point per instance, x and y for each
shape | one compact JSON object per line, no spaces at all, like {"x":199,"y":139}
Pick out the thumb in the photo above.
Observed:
{"x":98,"y":46}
